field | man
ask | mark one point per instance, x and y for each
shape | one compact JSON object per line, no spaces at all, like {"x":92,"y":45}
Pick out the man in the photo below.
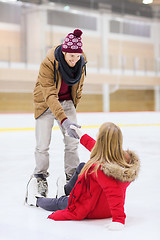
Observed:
{"x":57,"y":92}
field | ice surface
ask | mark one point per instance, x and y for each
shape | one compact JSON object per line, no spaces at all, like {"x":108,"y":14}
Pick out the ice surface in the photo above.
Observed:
{"x":141,"y":133}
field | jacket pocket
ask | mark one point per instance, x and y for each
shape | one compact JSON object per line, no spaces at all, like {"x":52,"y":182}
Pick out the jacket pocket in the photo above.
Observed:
{"x":38,"y":95}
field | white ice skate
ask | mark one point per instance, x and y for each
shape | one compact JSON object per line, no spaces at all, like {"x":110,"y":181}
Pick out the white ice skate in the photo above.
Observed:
{"x":61,"y":181}
{"x":32,"y":192}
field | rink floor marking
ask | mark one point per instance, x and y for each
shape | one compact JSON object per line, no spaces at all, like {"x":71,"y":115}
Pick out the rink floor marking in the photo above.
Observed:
{"x":84,"y":126}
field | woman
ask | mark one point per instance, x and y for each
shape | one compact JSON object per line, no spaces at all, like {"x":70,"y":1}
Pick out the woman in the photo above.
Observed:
{"x":100,"y":189}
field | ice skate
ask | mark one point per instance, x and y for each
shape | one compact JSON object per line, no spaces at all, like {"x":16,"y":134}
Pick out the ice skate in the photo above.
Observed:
{"x":32,"y":192}
{"x":61,"y":181}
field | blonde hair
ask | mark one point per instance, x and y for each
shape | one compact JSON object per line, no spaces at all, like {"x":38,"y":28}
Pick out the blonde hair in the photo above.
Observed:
{"x":108,"y":148}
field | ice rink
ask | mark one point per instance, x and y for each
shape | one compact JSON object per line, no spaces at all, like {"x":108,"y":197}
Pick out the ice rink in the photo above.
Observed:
{"x":141,"y":132}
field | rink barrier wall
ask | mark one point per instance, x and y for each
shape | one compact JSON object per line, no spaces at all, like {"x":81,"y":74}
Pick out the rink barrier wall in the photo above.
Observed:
{"x":120,"y":100}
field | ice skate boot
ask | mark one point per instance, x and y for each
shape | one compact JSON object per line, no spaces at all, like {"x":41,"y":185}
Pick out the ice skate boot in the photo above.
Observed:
{"x":42,"y":185}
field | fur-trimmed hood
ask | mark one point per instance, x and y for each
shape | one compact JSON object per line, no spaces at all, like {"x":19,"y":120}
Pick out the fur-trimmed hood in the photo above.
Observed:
{"x":128,"y":174}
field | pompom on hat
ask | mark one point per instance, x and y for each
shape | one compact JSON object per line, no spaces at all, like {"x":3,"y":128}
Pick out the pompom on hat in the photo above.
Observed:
{"x":73,"y":42}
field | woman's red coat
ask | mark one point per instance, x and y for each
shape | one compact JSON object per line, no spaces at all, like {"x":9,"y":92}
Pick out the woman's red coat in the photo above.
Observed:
{"x":94,"y":197}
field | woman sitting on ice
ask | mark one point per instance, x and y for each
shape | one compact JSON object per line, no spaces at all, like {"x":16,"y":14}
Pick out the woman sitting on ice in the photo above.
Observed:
{"x":99,"y":192}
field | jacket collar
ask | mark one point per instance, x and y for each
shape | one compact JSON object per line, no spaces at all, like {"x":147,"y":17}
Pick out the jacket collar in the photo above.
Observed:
{"x":120,"y":173}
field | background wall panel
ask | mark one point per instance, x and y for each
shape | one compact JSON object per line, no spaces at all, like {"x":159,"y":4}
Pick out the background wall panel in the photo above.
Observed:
{"x":16,"y":102}
{"x":140,"y":54}
{"x":132,"y":100}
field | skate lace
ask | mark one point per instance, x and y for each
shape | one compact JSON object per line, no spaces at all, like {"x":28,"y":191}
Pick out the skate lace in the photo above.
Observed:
{"x":42,"y":186}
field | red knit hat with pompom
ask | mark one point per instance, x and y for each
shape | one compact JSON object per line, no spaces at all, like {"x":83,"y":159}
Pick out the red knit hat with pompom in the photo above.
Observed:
{"x":73,"y":42}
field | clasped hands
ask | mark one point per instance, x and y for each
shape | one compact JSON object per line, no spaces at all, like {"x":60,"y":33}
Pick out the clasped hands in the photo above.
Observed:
{"x":73,"y":129}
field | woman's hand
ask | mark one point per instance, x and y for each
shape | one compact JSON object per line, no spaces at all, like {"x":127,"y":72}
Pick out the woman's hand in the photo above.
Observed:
{"x":115,"y":226}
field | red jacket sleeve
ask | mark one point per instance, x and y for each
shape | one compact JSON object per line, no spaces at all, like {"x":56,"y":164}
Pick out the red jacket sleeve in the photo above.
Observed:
{"x":87,"y":142}
{"x":115,"y":195}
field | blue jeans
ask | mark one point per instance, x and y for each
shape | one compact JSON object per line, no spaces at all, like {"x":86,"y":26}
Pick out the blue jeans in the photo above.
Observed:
{"x":54,"y":204}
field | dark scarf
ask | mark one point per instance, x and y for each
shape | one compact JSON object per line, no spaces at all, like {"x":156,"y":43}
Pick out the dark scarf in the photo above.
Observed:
{"x":70,"y":75}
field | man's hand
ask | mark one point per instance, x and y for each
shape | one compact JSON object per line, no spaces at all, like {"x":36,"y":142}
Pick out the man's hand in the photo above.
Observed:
{"x":78,"y":131}
{"x":71,"y":132}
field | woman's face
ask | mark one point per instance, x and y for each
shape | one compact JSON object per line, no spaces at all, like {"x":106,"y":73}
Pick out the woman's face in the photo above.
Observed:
{"x":72,"y":58}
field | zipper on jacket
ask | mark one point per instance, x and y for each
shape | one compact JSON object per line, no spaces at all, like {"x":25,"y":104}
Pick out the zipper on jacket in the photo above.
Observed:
{"x":73,"y":194}
{"x":76,"y":95}
{"x":79,"y":83}
{"x":56,"y":77}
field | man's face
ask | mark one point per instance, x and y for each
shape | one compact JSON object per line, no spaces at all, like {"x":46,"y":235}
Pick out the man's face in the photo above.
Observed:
{"x":72,"y":58}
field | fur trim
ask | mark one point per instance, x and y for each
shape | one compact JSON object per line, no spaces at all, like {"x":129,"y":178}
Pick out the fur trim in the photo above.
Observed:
{"x":120,"y":173}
